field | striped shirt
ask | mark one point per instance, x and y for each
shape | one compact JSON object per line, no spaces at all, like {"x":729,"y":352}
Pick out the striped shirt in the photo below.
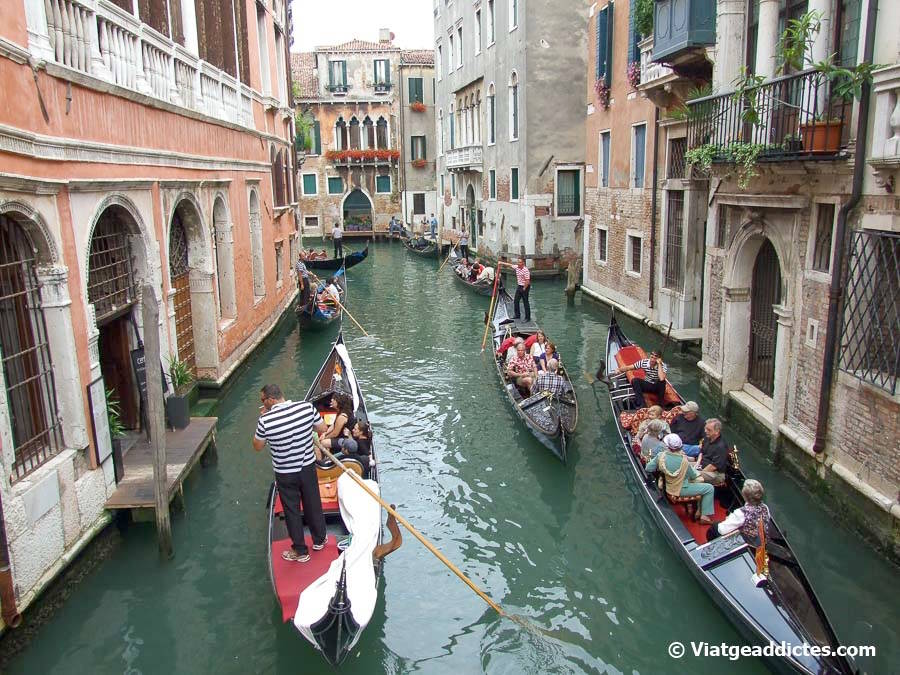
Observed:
{"x":301,"y":269}
{"x":523,"y":275}
{"x":288,"y":428}
{"x":651,"y":374}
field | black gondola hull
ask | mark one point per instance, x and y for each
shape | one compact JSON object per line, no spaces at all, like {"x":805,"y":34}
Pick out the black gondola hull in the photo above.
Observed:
{"x":334,"y":264}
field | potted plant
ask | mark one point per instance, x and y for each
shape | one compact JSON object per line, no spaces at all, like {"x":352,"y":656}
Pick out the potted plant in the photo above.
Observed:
{"x":116,"y":432}
{"x":822,"y":134}
{"x":419,"y":163}
{"x":643,"y":17}
{"x":178,"y":405}
{"x":417,"y":106}
{"x":602,"y":91}
{"x":633,"y":74}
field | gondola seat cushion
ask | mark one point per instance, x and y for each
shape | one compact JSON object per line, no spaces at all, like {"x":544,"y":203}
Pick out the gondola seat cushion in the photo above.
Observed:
{"x":691,"y":504}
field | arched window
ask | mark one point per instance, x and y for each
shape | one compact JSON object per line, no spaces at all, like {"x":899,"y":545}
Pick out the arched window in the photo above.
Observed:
{"x":513,"y":106}
{"x":340,"y":134}
{"x":381,"y":131}
{"x":354,"y":133}
{"x":28,"y":372}
{"x":256,"y":249}
{"x":492,"y":115}
{"x":368,"y":133}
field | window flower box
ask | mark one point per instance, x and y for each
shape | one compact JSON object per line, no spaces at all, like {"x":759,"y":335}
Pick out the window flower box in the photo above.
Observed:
{"x":419,"y":163}
{"x":417,"y":106}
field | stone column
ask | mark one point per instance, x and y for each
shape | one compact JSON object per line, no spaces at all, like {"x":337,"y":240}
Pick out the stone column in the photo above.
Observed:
{"x":820,"y":46}
{"x":203,"y":311}
{"x":785,"y":320}
{"x":729,"y":50}
{"x":56,"y":306}
{"x":735,"y":342}
{"x":767,"y":38}
{"x":38,"y":36}
{"x":189,"y":25}
{"x":224,"y":233}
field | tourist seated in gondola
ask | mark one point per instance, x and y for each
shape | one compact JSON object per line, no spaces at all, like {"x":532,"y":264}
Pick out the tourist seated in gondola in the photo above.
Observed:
{"x":654,"y":380}
{"x":353,"y":443}
{"x":747,"y":517}
{"x":688,"y":424}
{"x":550,"y":351}
{"x":474,"y":270}
{"x":538,"y":349}
{"x":512,"y":347}
{"x":654,"y":412}
{"x":551,"y":381}
{"x":713,"y":452}
{"x":652,"y":440}
{"x":342,"y":404}
{"x":681,"y":479}
{"x":486,"y":274}
{"x":520,"y":368}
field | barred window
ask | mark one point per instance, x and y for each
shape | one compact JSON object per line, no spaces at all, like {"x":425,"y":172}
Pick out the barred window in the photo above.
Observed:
{"x":674,"y":240}
{"x":111,"y":285}
{"x":870,"y":343}
{"x":27,"y":369}
{"x":677,"y":148}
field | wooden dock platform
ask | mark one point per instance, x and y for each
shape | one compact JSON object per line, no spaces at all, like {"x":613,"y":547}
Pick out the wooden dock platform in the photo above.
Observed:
{"x":184,"y":447}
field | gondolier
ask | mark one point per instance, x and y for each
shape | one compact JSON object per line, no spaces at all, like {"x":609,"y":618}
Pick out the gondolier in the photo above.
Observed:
{"x":523,"y":286}
{"x":337,"y":236}
{"x":654,"y":380}
{"x":287,"y":427}
{"x":302,"y":279}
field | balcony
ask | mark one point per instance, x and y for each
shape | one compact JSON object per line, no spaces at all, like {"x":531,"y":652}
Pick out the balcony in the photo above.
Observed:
{"x":681,"y":27}
{"x":468,"y":158}
{"x":338,"y":89}
{"x":794,"y":117}
{"x":660,"y":83}
{"x":371,"y":157}
{"x":383,"y":87}
{"x":104,"y":42}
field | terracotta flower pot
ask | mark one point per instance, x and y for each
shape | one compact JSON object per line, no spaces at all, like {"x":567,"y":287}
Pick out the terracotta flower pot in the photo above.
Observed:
{"x":821,"y":137}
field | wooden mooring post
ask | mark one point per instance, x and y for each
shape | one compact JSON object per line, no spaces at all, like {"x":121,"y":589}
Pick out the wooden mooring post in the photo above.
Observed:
{"x":156,"y":418}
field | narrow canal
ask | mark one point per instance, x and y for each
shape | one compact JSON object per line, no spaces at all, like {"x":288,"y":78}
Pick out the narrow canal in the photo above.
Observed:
{"x":572,"y":547}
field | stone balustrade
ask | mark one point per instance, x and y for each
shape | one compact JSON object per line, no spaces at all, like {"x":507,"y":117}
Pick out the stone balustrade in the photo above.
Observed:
{"x":467,"y":157}
{"x":651,"y":71}
{"x":885,"y":152}
{"x":99,"y":39}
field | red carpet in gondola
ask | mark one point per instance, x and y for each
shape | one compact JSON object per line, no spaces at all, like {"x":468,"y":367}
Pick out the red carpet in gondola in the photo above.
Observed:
{"x":292,"y":577}
{"x":328,"y":505}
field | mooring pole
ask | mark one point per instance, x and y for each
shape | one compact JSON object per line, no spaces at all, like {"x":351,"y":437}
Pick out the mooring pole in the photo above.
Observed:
{"x":156,"y":419}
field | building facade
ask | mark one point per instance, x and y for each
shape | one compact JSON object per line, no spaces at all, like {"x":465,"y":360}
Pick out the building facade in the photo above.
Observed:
{"x":510,"y":76}
{"x":770,"y":241}
{"x":358,"y":100}
{"x":137,"y":146}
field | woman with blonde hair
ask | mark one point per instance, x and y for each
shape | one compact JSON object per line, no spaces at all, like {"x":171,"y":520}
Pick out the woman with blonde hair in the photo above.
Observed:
{"x":654,"y":412}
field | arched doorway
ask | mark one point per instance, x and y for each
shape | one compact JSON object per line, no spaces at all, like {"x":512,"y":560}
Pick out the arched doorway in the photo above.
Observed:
{"x":765,"y":292}
{"x":472,"y":220}
{"x":27,"y":369}
{"x":357,"y":211}
{"x":180,"y":279}
{"x":112,"y":290}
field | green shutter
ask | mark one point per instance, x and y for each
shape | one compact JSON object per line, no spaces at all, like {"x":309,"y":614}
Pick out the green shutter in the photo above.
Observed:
{"x":601,"y":43}
{"x":515,"y":184}
{"x":609,"y":44}
{"x":317,"y":138}
{"x":344,"y":73}
{"x":309,"y":184}
{"x":493,"y":176}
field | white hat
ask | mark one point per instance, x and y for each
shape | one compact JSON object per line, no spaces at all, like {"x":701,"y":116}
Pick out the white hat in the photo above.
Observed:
{"x":673,"y":441}
{"x":690,"y":406}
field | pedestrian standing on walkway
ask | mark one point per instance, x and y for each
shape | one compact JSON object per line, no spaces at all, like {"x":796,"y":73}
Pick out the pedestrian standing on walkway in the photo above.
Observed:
{"x":337,"y":236}
{"x":287,"y":427}
{"x":434,"y":224}
{"x":523,"y":286}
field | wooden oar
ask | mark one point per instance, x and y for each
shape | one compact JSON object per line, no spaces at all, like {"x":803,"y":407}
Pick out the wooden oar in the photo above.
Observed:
{"x":351,"y":317}
{"x":431,"y":547}
{"x":490,"y":314}
{"x":452,"y":246}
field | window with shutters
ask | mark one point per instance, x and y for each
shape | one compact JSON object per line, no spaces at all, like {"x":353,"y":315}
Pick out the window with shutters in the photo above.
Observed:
{"x":310,"y":187}
{"x":419,"y":204}
{"x":604,"y":158}
{"x":634,"y":37}
{"x":443,"y":186}
{"x":568,"y":192}
{"x":316,"y":145}
{"x":492,"y":115}
{"x":335,"y":185}
{"x":383,"y":184}
{"x":674,"y":268}
{"x":341,"y":142}
{"x":452,"y":184}
{"x":604,"y":43}
{"x":633,"y":251}
{"x":416,"y":91}
{"x":262,"y":39}
{"x":381,"y":134}
{"x":478,"y":31}
{"x":452,"y":124}
{"x":600,"y":250}
{"x":418,"y":147}
{"x":492,"y":181}
{"x":382,"y":74}
{"x":337,"y":76}
{"x":513,"y":106}
{"x":514,"y":184}
{"x":638,"y":144}
{"x":822,"y":237}
{"x":490,"y":23}
{"x":848,"y":29}
{"x":459,"y":47}
{"x":513,"y":14}
{"x":355,"y":136}
{"x":450,"y":56}
{"x":368,"y":133}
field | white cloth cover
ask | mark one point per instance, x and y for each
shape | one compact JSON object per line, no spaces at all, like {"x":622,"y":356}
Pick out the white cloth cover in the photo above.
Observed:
{"x":362,"y":516}
{"x":349,"y":374}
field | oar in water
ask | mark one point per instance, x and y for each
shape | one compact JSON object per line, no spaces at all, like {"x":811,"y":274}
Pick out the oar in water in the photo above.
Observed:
{"x":452,"y":246}
{"x":522,"y":621}
{"x":340,"y":304}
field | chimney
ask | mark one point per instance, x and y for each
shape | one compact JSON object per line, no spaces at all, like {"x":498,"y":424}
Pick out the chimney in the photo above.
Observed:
{"x":384,"y":36}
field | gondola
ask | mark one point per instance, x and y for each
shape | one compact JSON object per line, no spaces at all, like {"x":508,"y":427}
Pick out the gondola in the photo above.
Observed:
{"x":318,"y":315}
{"x":782,"y":609}
{"x":481,"y":287}
{"x":331,"y":598}
{"x":332,"y":264}
{"x":551,"y":419}
{"x":420,"y":246}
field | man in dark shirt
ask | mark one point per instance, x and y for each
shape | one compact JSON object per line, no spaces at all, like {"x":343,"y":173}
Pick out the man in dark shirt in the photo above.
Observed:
{"x":689,"y":425}
{"x":712,"y":455}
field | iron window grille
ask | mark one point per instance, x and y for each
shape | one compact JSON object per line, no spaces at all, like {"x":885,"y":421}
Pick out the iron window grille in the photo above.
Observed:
{"x":27,"y":367}
{"x":111,"y":284}
{"x":870,"y":342}
{"x":677,"y":148}
{"x":722,"y":226}
{"x":674,"y":274}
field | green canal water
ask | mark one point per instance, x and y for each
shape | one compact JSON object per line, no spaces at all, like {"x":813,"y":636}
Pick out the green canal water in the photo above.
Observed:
{"x":572,"y":546}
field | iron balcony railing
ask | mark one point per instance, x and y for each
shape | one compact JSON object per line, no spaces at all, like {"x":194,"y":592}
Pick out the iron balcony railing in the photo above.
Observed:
{"x":792,"y":117}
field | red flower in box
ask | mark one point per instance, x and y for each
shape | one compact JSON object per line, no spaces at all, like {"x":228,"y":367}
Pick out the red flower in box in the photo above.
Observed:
{"x":417,"y":106}
{"x":419,"y":163}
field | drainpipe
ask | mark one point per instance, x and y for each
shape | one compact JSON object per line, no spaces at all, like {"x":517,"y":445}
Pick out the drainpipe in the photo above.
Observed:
{"x":653,"y":206}
{"x":835,"y":291}
{"x":402,"y":144}
{"x":8,"y":610}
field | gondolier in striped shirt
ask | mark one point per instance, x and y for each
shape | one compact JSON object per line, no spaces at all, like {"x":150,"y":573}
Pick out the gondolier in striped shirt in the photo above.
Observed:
{"x":287,"y":427}
{"x":654,"y":380}
{"x":523,"y":286}
{"x":302,"y":279}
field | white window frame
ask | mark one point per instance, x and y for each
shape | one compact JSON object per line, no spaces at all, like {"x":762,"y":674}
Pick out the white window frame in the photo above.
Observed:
{"x":439,"y":58}
{"x":451,"y":56}
{"x":492,"y":197}
{"x":390,"y":184}
{"x":810,"y":273}
{"x":629,"y":234}
{"x":604,"y":261}
{"x":477,"y":31}
{"x":305,"y":218}
{"x":328,"y":189}
{"x":303,"y":185}
{"x":509,"y":98}
{"x":443,"y":187}
{"x":492,"y":23}
{"x":492,"y":114}
{"x":459,"y":47}
{"x":452,"y":184}
{"x":518,"y":184}
{"x":513,"y":26}
{"x":632,"y":170}
{"x":440,"y":132}
{"x":600,"y":163}
{"x":580,"y":170}
{"x":279,"y":268}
